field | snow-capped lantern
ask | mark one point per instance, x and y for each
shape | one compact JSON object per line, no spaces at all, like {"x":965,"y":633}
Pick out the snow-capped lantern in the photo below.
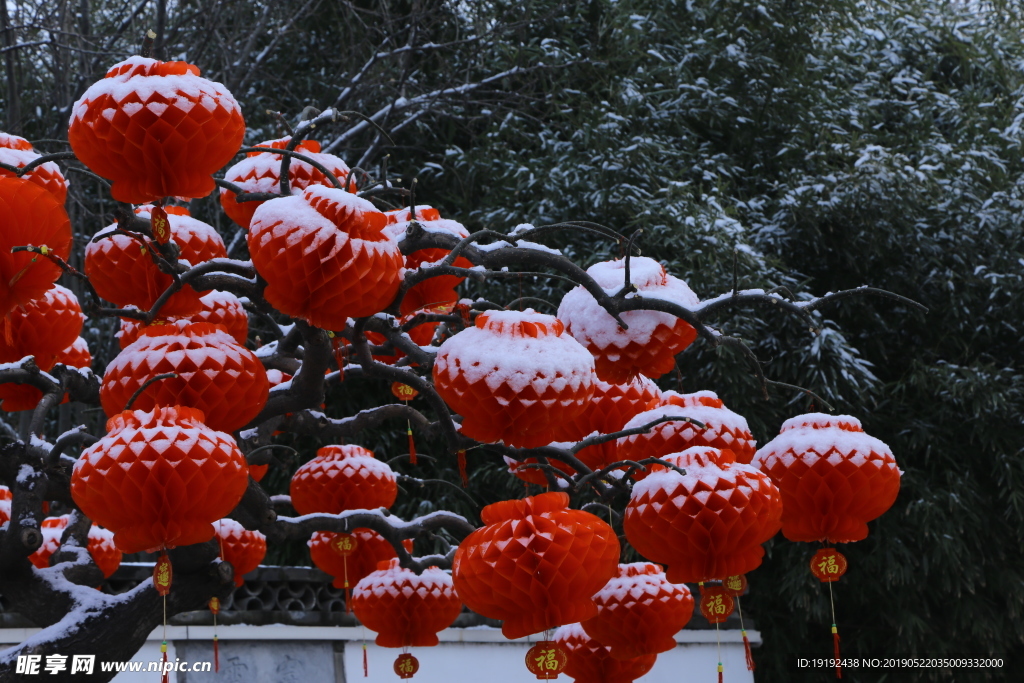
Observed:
{"x":324,"y":256}
{"x":343,"y":478}
{"x":123,"y":272}
{"x":214,"y":374}
{"x":612,"y":406}
{"x":219,"y":308}
{"x":591,"y":662}
{"x":5,"y":505}
{"x":51,"y":529}
{"x":834,"y":478}
{"x":31,"y":216}
{"x":261,"y":172}
{"x":403,"y":608}
{"x":159,"y":479}
{"x":639,"y":612}
{"x":514,"y":377}
{"x":156,"y":129}
{"x":16,"y":151}
{"x":243,"y":548}
{"x":722,"y":429}
{"x":104,"y":553}
{"x":349,"y":557}
{"x":17,"y":397}
{"x":535,"y":564}
{"x":653,"y":339}
{"x":707,"y":524}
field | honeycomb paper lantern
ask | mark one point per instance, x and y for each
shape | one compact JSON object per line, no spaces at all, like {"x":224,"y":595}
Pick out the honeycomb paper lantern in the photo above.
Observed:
{"x":343,"y":478}
{"x":261,"y":172}
{"x":834,"y":478}
{"x":243,"y":548}
{"x":514,"y":377}
{"x":653,"y":339}
{"x":18,"y":152}
{"x":31,"y":215}
{"x":370,"y":550}
{"x":159,"y":479}
{"x":51,"y":528}
{"x":104,"y":553}
{"x":5,"y":505}
{"x":17,"y":397}
{"x":219,"y":308}
{"x":708,"y":524}
{"x":403,"y":608}
{"x":535,"y":564}
{"x":722,"y":429}
{"x":639,"y":612}
{"x":435,"y":291}
{"x":156,"y":129}
{"x":216,"y":375}
{"x":43,"y":328}
{"x":324,"y":256}
{"x":122,"y":273}
{"x":591,"y":662}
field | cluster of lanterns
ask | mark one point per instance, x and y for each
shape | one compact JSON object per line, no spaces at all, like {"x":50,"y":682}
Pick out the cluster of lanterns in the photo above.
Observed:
{"x":168,"y":471}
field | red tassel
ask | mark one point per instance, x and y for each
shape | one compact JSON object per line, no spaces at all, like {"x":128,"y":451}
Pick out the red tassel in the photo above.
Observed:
{"x":216,"y":655}
{"x":462,"y":468}
{"x":164,"y":676}
{"x":412,"y":446}
{"x":719,"y":672}
{"x":835,"y":642}
{"x":366,"y":664}
{"x":746,"y":648}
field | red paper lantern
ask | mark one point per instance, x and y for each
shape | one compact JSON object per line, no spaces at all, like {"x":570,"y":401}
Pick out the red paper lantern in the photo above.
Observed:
{"x":261,"y":172}
{"x":124,"y":273}
{"x":104,"y":553}
{"x":159,"y":479}
{"x":436,"y":291}
{"x":18,"y":152}
{"x":591,"y":662}
{"x":17,"y":397}
{"x":324,"y":256}
{"x":51,"y":528}
{"x":834,"y":478}
{"x":639,"y":612}
{"x":31,"y":216}
{"x":214,"y":374}
{"x":722,"y":429}
{"x":354,"y":557}
{"x":343,"y":478}
{"x":547,"y":576}
{"x":403,"y":608}
{"x":5,"y":505}
{"x":243,"y":548}
{"x":219,"y":308}
{"x":708,"y":524}
{"x":156,"y":129}
{"x":653,"y":339}
{"x":515,"y":377}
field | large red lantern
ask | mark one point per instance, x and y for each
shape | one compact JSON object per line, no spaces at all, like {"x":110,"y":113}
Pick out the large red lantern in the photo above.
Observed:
{"x":833,"y":477}
{"x":18,"y":152}
{"x":219,"y":308}
{"x":591,"y":662}
{"x":639,"y":612}
{"x":349,"y":557}
{"x":653,"y":339}
{"x":32,"y":215}
{"x":535,"y":564}
{"x":214,"y":374}
{"x":440,"y":290}
{"x":406,"y":609}
{"x":159,"y":479}
{"x":708,"y":524}
{"x":515,"y":377}
{"x":722,"y":429}
{"x":261,"y":172}
{"x":243,"y":548}
{"x":324,"y":256}
{"x":156,"y":129}
{"x":122,"y":270}
{"x":343,"y":478}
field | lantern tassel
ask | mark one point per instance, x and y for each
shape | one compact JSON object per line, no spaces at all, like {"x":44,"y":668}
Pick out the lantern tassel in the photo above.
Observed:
{"x":462,"y":468}
{"x":216,"y":655}
{"x":720,"y":672}
{"x":412,"y":444}
{"x":164,"y":677}
{"x":746,"y":649}
{"x":835,"y":643}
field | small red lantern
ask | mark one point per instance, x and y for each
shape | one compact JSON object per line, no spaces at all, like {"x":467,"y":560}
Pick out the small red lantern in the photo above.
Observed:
{"x":243,"y":548}
{"x":406,"y":665}
{"x":716,"y":604}
{"x":536,"y":564}
{"x":515,"y":377}
{"x":589,"y":661}
{"x":650,"y":345}
{"x":156,"y":129}
{"x":343,"y":478}
{"x":349,"y":557}
{"x":104,"y":553}
{"x":18,"y":152}
{"x":5,"y":505}
{"x":440,"y":290}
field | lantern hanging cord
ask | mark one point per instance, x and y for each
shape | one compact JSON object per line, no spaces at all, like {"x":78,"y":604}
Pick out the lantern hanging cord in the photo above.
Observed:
{"x":718,"y":637}
{"x":832,"y":603}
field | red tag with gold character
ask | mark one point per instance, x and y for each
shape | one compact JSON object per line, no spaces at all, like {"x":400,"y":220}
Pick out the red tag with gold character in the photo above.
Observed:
{"x":162,"y":575}
{"x":716,"y":604}
{"x":403,"y":392}
{"x":828,"y":564}
{"x":546,"y":660}
{"x":160,"y":225}
{"x":344,"y":544}
{"x":215,"y":605}
{"x":735,"y":585}
{"x":406,"y":665}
